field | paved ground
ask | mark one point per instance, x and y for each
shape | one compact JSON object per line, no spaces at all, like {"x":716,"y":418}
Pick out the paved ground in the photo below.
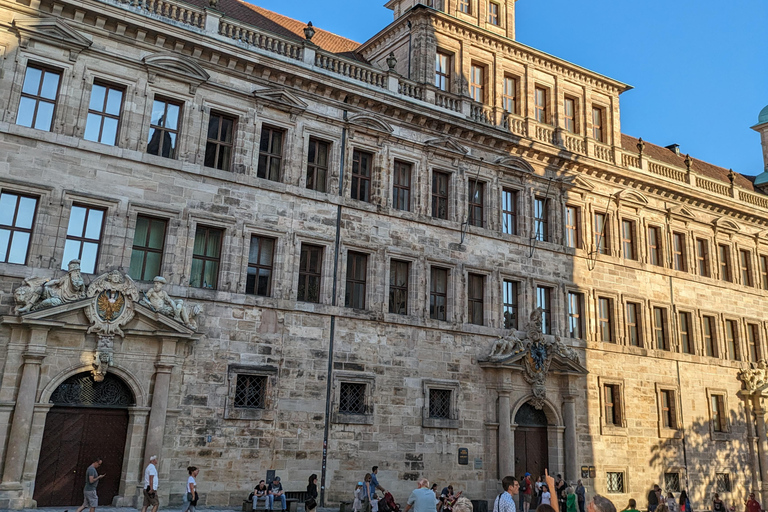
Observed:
{"x":163,"y":509}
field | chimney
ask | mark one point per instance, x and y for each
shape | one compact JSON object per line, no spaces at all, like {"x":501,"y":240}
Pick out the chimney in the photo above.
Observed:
{"x":675,"y":148}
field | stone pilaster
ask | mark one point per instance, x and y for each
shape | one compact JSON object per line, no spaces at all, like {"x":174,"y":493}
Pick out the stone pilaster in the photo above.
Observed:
{"x":506,"y":443}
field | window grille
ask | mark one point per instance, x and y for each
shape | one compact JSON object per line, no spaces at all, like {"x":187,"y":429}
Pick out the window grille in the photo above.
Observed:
{"x":352,"y":398}
{"x":440,"y":403}
{"x":615,"y":484}
{"x":672,"y":482}
{"x":723,"y":482}
{"x":82,"y":391}
{"x":250,"y":391}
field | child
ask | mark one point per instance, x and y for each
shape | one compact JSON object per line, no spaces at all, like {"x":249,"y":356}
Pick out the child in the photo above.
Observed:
{"x":375,"y":503}
{"x":358,"y":503}
{"x":546,"y":496}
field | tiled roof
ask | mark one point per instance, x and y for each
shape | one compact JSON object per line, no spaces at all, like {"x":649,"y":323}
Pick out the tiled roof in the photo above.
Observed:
{"x":281,"y":25}
{"x":662,"y":154}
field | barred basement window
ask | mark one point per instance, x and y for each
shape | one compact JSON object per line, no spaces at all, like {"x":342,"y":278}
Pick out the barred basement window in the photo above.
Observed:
{"x":615,"y":482}
{"x":672,"y":482}
{"x":250,"y":391}
{"x":723,"y":482}
{"x":352,"y":398}
{"x":440,"y":403}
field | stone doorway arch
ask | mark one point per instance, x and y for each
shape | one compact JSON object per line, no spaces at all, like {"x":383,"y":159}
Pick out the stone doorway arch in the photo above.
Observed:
{"x":87,"y":419}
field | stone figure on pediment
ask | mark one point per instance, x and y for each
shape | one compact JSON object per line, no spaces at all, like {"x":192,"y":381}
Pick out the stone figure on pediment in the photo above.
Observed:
{"x":67,"y":288}
{"x":157,"y":299}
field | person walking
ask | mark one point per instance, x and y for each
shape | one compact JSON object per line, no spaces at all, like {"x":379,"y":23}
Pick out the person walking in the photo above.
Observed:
{"x":368,"y":492}
{"x":526,"y":491}
{"x":752,"y":505}
{"x":718,"y":505}
{"x":150,"y":486}
{"x":653,"y":498}
{"x":375,"y":479}
{"x":190,"y":490}
{"x":311,"y":502}
{"x":92,"y":477}
{"x":357,"y":505}
{"x":581,"y":495}
{"x":422,"y":499}
{"x":685,"y":504}
{"x":505,"y":502}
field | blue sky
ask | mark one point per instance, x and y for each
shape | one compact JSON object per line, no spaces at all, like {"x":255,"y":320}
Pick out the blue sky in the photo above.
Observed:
{"x":697,"y":66}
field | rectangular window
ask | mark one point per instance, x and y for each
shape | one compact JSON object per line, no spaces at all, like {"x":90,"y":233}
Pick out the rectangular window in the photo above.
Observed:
{"x":270,"y":153}
{"x":362,"y":164}
{"x":732,"y":340}
{"x":83,"y":237}
{"x":722,"y":482}
{"x":398,"y":287}
{"x":678,"y":250}
{"x":575,"y":327}
{"x":601,"y":232}
{"x":710,"y":336}
{"x":440,"y":403}
{"x":660,"y":328}
{"x":614,"y":482}
{"x":464,"y":6}
{"x":206,"y":258}
{"x":510,"y":304}
{"x":477,"y":83}
{"x":672,"y":482}
{"x":668,"y":409}
{"x":148,"y":246}
{"x":540,"y":105}
{"x":164,"y":128}
{"x":104,"y":108}
{"x":438,"y":293}
{"x":442,"y":71}
{"x":597,"y":124}
{"x":475,"y":203}
{"x":493,"y":13}
{"x":357,"y":271}
{"x":569,"y":113}
{"x":654,"y":246}
{"x":745,"y":266}
{"x":475,"y":298}
{"x":724,"y":258}
{"x":634,"y":326}
{"x":628,"y":239}
{"x":509,"y":94}
{"x":543,"y":301}
{"x":718,"y":413}
{"x":572,"y":223}
{"x":605,"y":319}
{"x":250,"y":391}
{"x":612,"y":401}
{"x":541,"y":218}
{"x":401,"y":188}
{"x":509,"y":211}
{"x":317,"y":165}
{"x":686,"y":334}
{"x":260,"y":266}
{"x":702,"y":257}
{"x":38,"y":97}
{"x":753,"y":339}
{"x":764,"y":272}
{"x":440,"y":182}
{"x":352,"y":398}
{"x":17,"y":216}
{"x":310,"y":266}
{"x":218,"y":146}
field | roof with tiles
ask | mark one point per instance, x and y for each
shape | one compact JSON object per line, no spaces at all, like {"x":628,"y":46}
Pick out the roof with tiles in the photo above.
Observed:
{"x":662,"y":154}
{"x":282,"y":25}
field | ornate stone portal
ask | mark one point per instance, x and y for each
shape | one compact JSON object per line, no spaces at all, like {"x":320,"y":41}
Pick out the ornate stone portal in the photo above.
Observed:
{"x":113,"y":297}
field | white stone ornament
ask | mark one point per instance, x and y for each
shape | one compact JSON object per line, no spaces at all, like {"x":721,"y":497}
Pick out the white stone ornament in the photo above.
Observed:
{"x":113,"y":296}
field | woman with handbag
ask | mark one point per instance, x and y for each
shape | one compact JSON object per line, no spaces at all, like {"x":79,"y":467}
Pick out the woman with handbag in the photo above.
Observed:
{"x":310,"y":504}
{"x":190,"y":494}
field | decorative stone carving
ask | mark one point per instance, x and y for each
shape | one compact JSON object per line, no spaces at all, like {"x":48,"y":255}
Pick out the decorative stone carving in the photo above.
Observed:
{"x":115,"y":294}
{"x":102,"y":358}
{"x":28,"y":294}
{"x":158,"y":300}
{"x":755,"y":378}
{"x":68,"y":288}
{"x":538,"y":351}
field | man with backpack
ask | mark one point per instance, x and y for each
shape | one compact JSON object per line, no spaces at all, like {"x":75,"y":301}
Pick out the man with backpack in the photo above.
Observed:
{"x":504,"y":502}
{"x":526,"y":491}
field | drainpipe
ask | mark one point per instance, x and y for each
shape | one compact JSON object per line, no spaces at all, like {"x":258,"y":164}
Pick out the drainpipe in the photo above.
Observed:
{"x":329,"y":377}
{"x":409,"y":49}
{"x":674,"y":325}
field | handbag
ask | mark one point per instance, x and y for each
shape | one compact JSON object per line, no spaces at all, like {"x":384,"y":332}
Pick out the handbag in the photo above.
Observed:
{"x":310,"y":503}
{"x":190,"y":497}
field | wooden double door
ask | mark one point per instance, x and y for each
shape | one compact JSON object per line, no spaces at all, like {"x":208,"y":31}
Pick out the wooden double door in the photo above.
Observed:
{"x":73,"y":437}
{"x":531,"y":451}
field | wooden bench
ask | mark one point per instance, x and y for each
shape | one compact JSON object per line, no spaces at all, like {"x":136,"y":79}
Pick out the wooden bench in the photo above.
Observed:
{"x":292,"y":499}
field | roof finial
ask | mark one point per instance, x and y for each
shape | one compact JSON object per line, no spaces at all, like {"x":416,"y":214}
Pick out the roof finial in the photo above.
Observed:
{"x":731,"y":175}
{"x":688,"y":161}
{"x":640,"y":146}
{"x":309,"y":31}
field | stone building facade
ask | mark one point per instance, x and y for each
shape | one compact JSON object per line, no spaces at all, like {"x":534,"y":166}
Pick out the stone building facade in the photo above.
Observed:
{"x":434,"y":252}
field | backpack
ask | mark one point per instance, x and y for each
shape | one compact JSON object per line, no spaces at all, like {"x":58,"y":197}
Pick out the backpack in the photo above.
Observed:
{"x":523,"y":485}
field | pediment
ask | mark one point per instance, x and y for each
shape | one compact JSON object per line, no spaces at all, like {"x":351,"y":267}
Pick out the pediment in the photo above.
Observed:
{"x":682,"y":211}
{"x":516,"y":163}
{"x":726,"y":224}
{"x":559,"y":363}
{"x":53,"y":31}
{"x":578,"y":181}
{"x":632,"y":196}
{"x":372,"y":122}
{"x":447,"y":143}
{"x":282,"y":99}
{"x":177,"y":67}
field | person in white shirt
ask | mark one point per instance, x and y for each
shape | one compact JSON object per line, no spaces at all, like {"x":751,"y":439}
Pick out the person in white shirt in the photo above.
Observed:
{"x":190,"y":490}
{"x":504,"y":501}
{"x":546,"y":497}
{"x":150,"y":486}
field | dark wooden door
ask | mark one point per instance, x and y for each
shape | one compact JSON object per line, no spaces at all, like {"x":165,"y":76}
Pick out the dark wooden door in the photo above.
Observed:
{"x":73,"y":437}
{"x":531,"y":451}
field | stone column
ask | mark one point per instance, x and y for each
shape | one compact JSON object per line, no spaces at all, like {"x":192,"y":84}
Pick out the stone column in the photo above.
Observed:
{"x":569,"y":419}
{"x":18,"y":440}
{"x":752,"y":439}
{"x":762,"y":447}
{"x":506,"y":443}
{"x":156,"y":427}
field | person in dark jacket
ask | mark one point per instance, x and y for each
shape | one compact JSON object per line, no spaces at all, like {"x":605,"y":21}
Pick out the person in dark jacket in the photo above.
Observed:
{"x":311,"y":494}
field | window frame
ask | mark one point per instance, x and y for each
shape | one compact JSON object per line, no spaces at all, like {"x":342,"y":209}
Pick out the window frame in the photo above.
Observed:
{"x":662,"y":329}
{"x":637,"y":306}
{"x":401,"y":193}
{"x":494,"y":18}
{"x":436,"y":198}
{"x":576,"y":317}
{"x":754,"y":342}
{"x":348,"y":377}
{"x":476,"y":189}
{"x":237,"y":413}
{"x":314,"y":168}
{"x":394,"y":288}
{"x":655,"y":251}
{"x":478,"y":89}
{"x":601,"y":238}
{"x":205,"y":259}
{"x":13,"y":229}
{"x":763,"y":262}
{"x":619,"y":426}
{"x":544,"y":301}
{"x":745,"y":267}
{"x":514,"y":286}
{"x":146,"y":248}
{"x":163,"y":129}
{"x":103,"y":114}
{"x":572,"y":226}
{"x":570,"y":119}
{"x":510,"y":98}
{"x":605,"y":319}
{"x":541,"y":218}
{"x":541,"y":104}
{"x":719,"y":422}
{"x":732,"y":344}
{"x":724,"y":263}
{"x":43,"y":68}
{"x":356,"y":288}
{"x":443,"y":75}
{"x":598,"y":129}
{"x":476,"y":300}
{"x":265,"y":172}
{"x":702,"y":257}
{"x":259,"y":266}
{"x":629,"y":240}
{"x":679,"y":252}
{"x":709,"y":322}
{"x":358,"y":179}
{"x":672,"y":414}
{"x":218,"y":143}
{"x":509,"y":199}
{"x":434,"y":294}
{"x":453,"y":422}
{"x":82,"y":240}
{"x":308,"y":273}
{"x":687,"y":341}
{"x":465,"y":7}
